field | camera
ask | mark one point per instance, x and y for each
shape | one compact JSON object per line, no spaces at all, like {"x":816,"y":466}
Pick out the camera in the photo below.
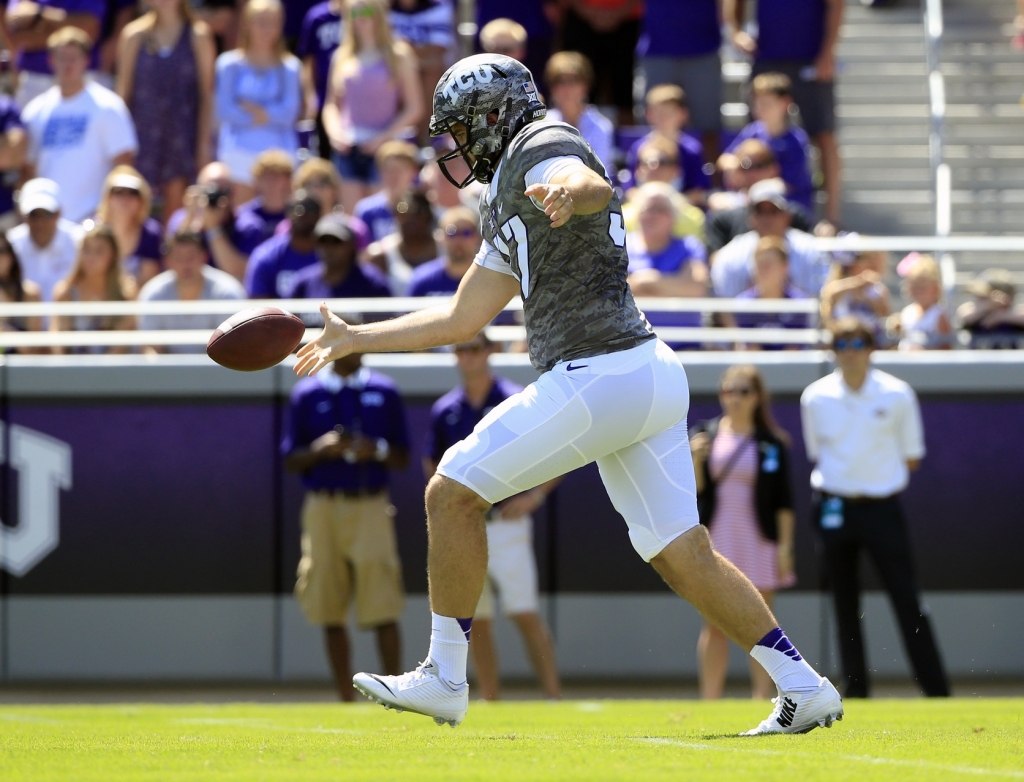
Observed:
{"x":214,"y":195}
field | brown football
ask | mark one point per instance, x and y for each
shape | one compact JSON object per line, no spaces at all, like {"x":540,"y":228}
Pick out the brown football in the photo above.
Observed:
{"x":254,"y":339}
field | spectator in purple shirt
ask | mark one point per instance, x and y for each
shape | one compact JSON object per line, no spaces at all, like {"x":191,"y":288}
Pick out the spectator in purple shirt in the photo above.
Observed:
{"x":461,"y":237}
{"x":661,"y":264}
{"x":772,"y":97}
{"x":125,"y":206}
{"x":771,"y":281}
{"x":318,"y":40}
{"x":338,"y":275}
{"x":31,"y":22}
{"x":256,"y":220}
{"x":679,"y":45}
{"x":537,"y":18}
{"x":398,"y":166}
{"x":275,"y":262}
{"x":798,"y":38}
{"x":668,"y":113}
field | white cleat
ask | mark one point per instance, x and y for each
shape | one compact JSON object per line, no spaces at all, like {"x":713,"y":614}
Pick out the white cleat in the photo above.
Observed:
{"x":801,"y":712}
{"x":421,"y":691}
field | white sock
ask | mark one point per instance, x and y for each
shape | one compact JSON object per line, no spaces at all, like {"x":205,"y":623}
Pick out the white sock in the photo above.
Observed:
{"x":449,"y":647}
{"x":783,"y":662}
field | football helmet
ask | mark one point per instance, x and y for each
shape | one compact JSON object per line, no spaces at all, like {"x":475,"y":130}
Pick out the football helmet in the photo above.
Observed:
{"x":470,"y":91}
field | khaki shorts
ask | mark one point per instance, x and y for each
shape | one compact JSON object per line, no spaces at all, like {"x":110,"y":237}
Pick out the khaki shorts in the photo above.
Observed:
{"x":348,"y":546}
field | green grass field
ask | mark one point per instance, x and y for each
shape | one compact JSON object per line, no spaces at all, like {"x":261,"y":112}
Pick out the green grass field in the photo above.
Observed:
{"x":575,"y":740}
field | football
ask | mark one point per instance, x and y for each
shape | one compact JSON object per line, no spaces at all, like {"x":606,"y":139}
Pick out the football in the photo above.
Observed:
{"x":255,"y":339}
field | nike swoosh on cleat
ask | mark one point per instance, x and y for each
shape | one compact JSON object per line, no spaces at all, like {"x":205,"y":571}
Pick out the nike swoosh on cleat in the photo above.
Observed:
{"x":382,"y":683}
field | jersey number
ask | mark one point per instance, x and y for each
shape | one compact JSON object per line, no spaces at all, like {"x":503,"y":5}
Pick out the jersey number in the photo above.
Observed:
{"x":515,"y":229}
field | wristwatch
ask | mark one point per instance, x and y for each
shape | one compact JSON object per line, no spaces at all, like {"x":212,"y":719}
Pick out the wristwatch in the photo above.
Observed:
{"x":383,"y":450}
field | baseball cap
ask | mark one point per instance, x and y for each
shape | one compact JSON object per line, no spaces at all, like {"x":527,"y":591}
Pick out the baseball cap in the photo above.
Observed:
{"x":39,"y":193}
{"x":992,"y":280}
{"x":769,"y":190}
{"x":336,"y":226}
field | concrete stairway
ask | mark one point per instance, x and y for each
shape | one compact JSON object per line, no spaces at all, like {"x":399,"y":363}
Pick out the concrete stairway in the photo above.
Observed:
{"x":882,"y":113}
{"x":984,"y":138}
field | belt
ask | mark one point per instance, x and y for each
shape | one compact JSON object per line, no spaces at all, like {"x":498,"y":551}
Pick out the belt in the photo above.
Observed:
{"x":859,"y":499}
{"x":369,"y":491}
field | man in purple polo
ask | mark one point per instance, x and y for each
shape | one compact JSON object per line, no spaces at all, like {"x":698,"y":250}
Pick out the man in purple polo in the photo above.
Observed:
{"x":338,"y":274}
{"x":461,"y":237}
{"x":679,"y":45}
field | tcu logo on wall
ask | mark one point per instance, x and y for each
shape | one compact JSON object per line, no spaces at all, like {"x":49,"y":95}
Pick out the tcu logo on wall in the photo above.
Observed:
{"x":463,"y":80}
{"x":43,"y":465}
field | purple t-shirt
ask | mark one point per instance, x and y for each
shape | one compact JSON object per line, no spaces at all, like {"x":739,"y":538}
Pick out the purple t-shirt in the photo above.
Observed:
{"x":792,"y":151}
{"x":376,"y":212}
{"x":772,"y":320}
{"x":38,"y":61}
{"x":10,"y":117}
{"x":672,"y":28}
{"x":364,"y":281}
{"x":691,"y":161}
{"x":431,"y":279}
{"x":670,"y":260}
{"x":790,"y":29}
{"x":529,"y":13}
{"x":373,"y":408}
{"x":320,"y":36}
{"x":272,"y":266}
{"x":254,"y":225}
{"x":453,"y":418}
{"x":150,"y":246}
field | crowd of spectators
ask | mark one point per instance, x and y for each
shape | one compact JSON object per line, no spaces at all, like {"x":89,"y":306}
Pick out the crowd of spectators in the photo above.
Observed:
{"x":269,"y":149}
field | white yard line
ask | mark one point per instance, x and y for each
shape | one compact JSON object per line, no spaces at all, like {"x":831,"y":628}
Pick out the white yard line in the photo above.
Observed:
{"x":921,"y":764}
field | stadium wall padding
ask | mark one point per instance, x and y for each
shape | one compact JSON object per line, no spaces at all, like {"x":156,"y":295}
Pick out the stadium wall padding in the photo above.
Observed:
{"x":179,"y":509}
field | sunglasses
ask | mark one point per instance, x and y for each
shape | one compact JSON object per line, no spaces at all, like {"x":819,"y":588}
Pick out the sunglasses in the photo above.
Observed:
{"x":850,"y":343}
{"x":319,"y":182}
{"x":454,"y":232}
{"x":748,"y":164}
{"x":566,"y":80}
{"x":657,"y":162}
{"x":362,"y":12}
{"x":737,"y":390}
{"x":124,"y":191}
{"x":767,"y":210}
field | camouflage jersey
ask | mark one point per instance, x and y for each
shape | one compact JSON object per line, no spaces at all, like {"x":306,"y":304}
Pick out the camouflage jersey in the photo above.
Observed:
{"x":573,"y":278}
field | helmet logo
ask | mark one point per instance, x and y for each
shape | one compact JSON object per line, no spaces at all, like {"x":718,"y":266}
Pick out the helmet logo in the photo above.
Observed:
{"x":466,"y":79}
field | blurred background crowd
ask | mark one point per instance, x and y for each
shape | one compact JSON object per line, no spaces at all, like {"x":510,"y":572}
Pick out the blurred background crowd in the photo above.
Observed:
{"x":232,"y":149}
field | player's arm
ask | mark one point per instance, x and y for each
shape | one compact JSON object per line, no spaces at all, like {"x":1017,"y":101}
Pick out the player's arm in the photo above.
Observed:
{"x":482,"y":294}
{"x":572,"y":189}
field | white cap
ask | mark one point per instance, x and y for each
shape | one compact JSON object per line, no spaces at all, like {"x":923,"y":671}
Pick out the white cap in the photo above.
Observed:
{"x":127,"y":181}
{"x":771,"y":190}
{"x":39,"y":193}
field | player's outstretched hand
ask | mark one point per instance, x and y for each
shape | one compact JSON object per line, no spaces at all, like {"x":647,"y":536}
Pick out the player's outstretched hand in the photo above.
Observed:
{"x":334,"y":342}
{"x":554,"y":200}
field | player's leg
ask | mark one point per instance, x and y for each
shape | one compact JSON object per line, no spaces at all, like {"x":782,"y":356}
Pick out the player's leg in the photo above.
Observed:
{"x":712,"y":661}
{"x":761,"y":685}
{"x":481,"y":646}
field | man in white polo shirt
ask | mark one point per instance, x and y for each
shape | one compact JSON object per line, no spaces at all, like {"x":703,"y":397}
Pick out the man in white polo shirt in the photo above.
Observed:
{"x":862,"y":428}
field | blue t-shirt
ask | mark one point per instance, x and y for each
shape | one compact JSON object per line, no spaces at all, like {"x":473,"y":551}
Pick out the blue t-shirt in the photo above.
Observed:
{"x":772,"y":320}
{"x":320,"y":36}
{"x":376,"y":212}
{"x":254,"y":225}
{"x":453,"y":418}
{"x":675,"y":28}
{"x":10,"y":117}
{"x":793,"y":152}
{"x":790,"y":29}
{"x":272,"y":266}
{"x":368,"y":403}
{"x":691,"y":161}
{"x":670,"y":260}
{"x":364,"y":281}
{"x":39,"y":61}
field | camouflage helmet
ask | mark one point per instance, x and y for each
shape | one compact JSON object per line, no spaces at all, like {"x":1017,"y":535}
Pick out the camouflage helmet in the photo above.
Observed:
{"x":469,"y":91}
